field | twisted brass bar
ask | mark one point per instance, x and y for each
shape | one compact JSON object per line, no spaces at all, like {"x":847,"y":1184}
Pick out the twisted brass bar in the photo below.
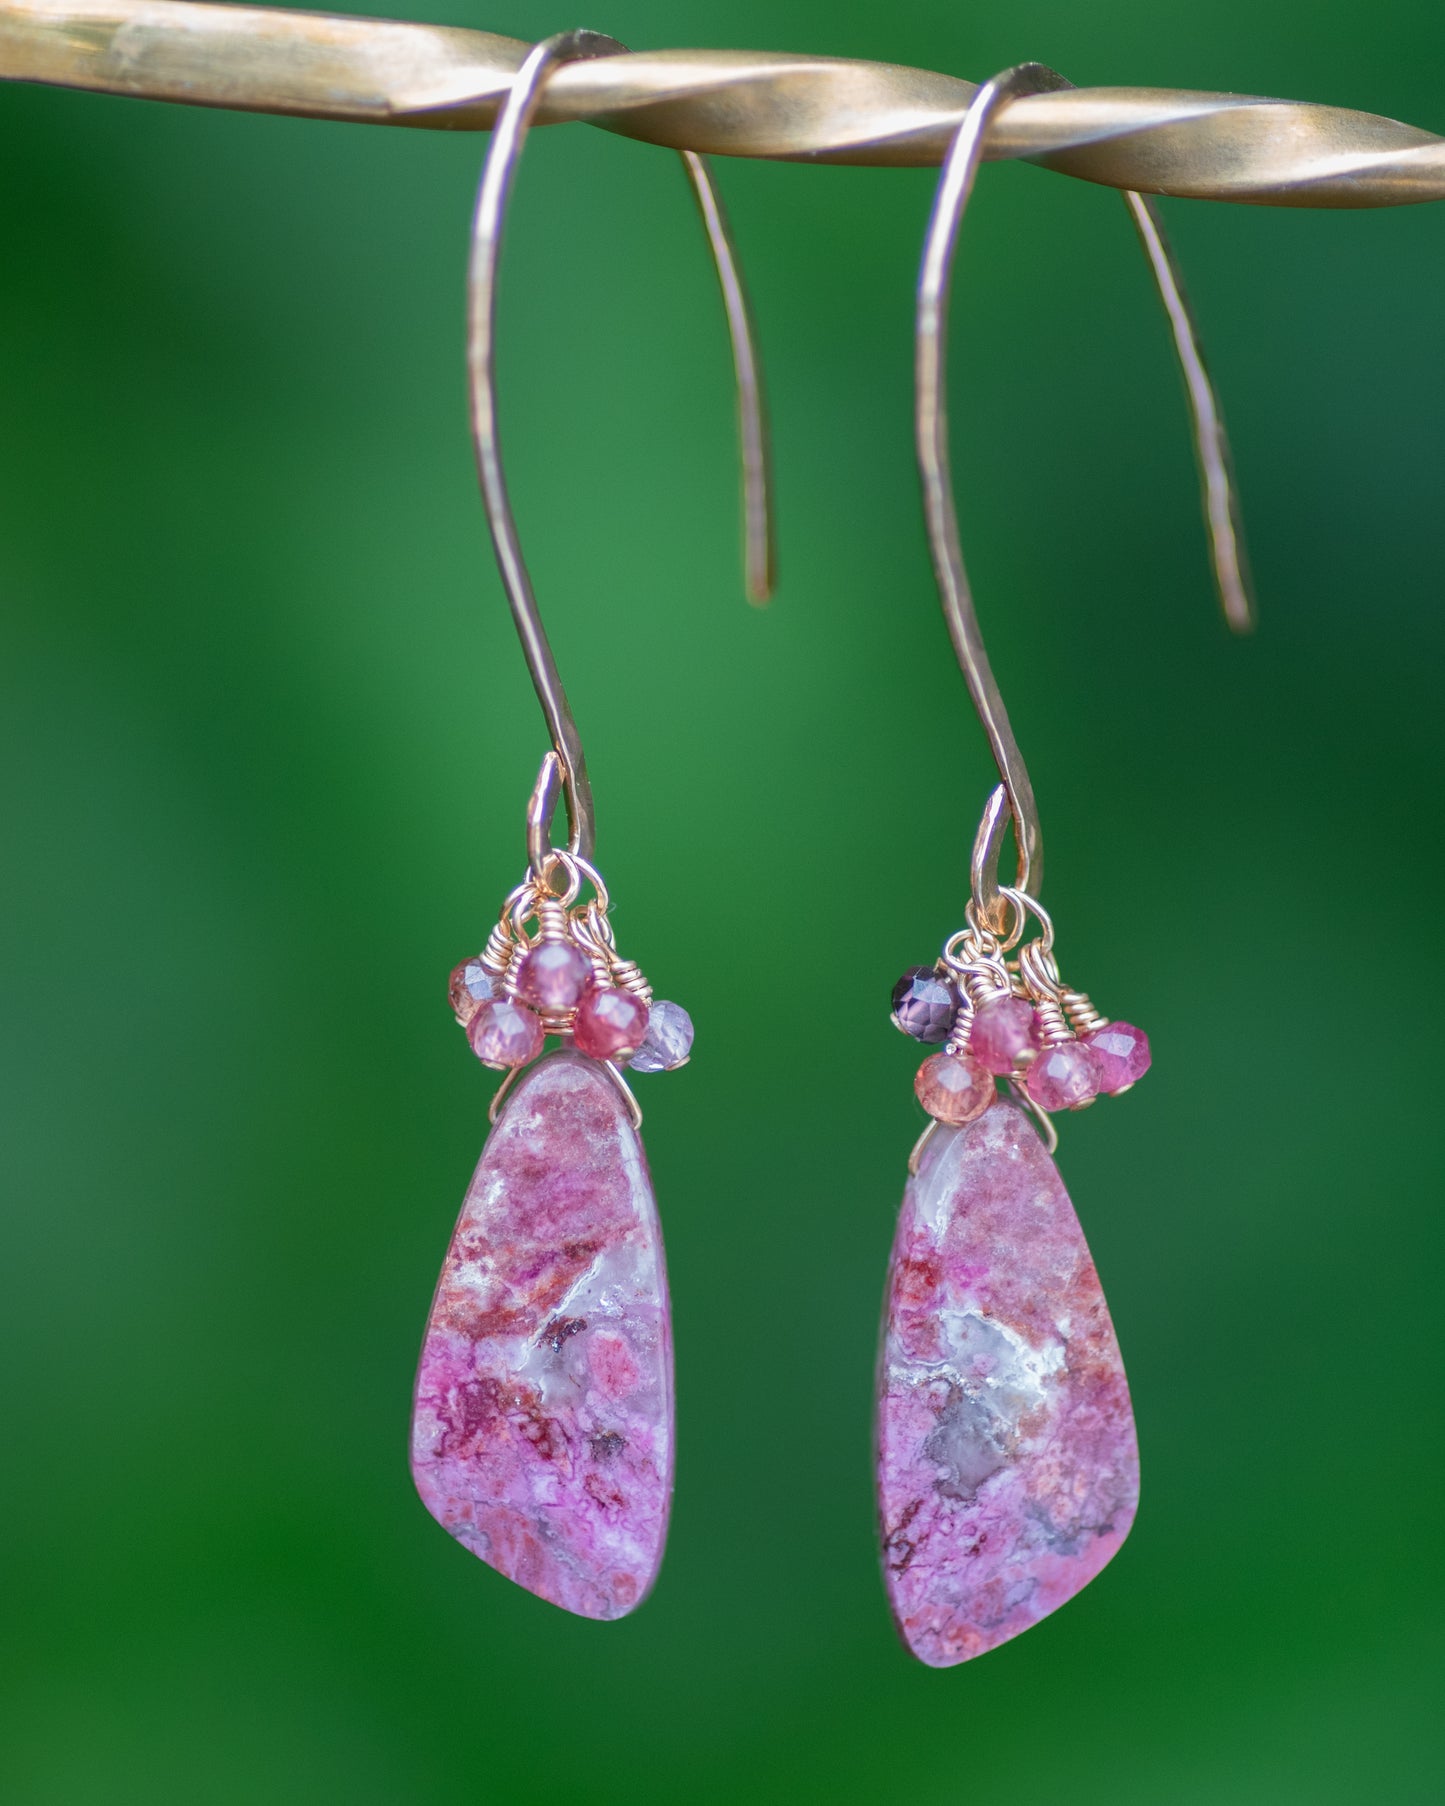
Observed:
{"x":1222,"y":147}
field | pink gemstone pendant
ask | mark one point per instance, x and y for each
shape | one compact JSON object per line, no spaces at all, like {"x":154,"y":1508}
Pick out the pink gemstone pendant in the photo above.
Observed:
{"x":1007,"y":1465}
{"x":542,"y":1434}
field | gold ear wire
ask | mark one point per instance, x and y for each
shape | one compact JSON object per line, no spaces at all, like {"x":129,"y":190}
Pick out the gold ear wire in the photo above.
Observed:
{"x":1231,"y":570}
{"x":1227,"y":552}
{"x":508,"y":135}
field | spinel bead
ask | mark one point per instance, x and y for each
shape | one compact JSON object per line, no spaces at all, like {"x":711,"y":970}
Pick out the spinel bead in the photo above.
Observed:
{"x":1004,"y":1031}
{"x":668,"y":1040}
{"x":1008,"y":1471}
{"x":553,"y":976}
{"x":610,"y":1024}
{"x":471,"y":984}
{"x":542,"y":1432}
{"x":924,"y":1004}
{"x":954,"y":1088}
{"x":1064,"y":1078}
{"x":1121,"y":1053}
{"x":503,"y":1033}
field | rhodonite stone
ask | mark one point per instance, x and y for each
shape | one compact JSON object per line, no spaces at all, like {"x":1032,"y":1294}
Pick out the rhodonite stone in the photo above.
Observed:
{"x":1008,"y":1471}
{"x":542,"y":1435}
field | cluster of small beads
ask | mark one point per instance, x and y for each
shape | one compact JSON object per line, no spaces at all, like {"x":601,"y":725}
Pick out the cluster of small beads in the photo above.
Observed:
{"x":1015,"y":1021}
{"x":565,"y":979}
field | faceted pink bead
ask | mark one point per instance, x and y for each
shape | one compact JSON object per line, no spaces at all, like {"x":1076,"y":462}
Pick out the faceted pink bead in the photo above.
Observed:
{"x":553,"y":976}
{"x":954,"y":1088}
{"x":1121,"y":1053}
{"x":1002,"y":1032}
{"x":1064,"y":1078}
{"x":503,"y":1033}
{"x":610,"y":1023}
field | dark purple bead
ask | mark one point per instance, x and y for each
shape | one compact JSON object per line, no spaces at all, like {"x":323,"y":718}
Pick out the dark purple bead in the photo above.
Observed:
{"x":924,"y":1005}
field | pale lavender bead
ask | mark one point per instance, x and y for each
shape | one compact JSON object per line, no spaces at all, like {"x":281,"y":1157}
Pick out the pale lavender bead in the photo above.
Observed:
{"x":668,"y":1040}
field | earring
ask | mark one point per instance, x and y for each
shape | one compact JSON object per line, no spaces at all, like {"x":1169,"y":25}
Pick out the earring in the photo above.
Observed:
{"x":1007,"y":1466}
{"x":542,"y":1430}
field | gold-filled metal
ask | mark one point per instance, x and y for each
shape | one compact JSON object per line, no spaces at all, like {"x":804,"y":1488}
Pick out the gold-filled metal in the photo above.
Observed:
{"x":960,"y":169}
{"x":736,"y":103}
{"x":503,"y":153}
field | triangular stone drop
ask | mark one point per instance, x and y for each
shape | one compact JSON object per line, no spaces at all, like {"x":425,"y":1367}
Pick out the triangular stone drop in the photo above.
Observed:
{"x":1008,"y":1471}
{"x":542,"y":1436}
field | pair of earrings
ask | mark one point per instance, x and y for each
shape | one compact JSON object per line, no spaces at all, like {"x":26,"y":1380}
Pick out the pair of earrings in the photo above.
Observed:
{"x":1006,"y":1460}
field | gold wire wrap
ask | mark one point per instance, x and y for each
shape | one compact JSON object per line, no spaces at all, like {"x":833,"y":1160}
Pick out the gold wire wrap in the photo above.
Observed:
{"x":497,"y":955}
{"x":734,"y":103}
{"x":589,"y":931}
{"x":627,"y":975}
{"x":1052,"y":1026}
{"x":1083,"y":1017}
{"x":551,"y":919}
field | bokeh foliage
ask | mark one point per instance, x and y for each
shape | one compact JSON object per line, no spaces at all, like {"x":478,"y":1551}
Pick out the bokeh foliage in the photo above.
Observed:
{"x":266,"y":744}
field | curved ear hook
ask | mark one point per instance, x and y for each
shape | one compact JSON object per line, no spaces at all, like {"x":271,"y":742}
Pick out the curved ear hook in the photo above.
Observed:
{"x":508,"y":135}
{"x":1222,"y":518}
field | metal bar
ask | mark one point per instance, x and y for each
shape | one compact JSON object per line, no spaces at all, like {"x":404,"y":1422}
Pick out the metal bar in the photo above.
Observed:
{"x":1222,"y":147}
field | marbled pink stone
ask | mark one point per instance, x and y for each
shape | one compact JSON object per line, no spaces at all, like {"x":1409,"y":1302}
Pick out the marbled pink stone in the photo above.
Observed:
{"x":542,"y":1435}
{"x":1008,"y":1472}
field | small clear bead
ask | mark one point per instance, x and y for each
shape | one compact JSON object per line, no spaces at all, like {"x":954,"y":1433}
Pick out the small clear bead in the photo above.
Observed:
{"x":668,"y":1041}
{"x":470,"y":985}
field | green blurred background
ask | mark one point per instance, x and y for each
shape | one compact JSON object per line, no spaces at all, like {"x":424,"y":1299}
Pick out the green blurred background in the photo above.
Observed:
{"x":267,"y":741}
